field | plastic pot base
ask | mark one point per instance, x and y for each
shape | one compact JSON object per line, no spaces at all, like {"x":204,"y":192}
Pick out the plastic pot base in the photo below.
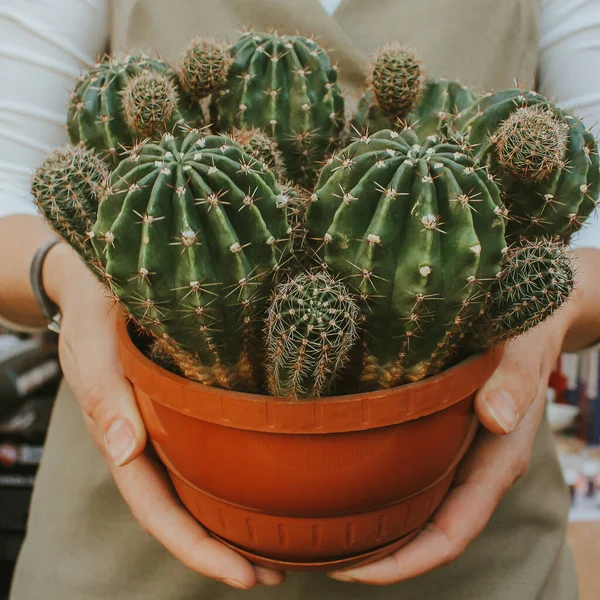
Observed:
{"x":346,"y":562}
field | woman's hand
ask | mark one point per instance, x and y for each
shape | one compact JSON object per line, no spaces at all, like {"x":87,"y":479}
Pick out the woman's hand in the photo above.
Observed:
{"x":510,"y":405}
{"x":88,"y":355}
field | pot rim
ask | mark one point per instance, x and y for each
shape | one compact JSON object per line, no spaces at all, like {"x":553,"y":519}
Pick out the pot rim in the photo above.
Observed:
{"x":333,"y":414}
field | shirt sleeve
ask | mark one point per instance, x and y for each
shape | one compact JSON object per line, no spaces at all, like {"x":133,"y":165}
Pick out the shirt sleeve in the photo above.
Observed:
{"x":44,"y":45}
{"x":569,"y":71}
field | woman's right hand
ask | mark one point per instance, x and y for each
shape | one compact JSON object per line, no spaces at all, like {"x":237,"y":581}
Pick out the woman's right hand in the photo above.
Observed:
{"x":90,"y":363}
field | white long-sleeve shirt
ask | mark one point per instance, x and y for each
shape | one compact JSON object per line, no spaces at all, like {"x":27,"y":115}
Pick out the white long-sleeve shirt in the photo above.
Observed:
{"x":45,"y":44}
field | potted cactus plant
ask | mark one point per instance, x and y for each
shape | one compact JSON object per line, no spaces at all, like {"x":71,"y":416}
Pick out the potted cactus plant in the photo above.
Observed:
{"x":305,"y":343}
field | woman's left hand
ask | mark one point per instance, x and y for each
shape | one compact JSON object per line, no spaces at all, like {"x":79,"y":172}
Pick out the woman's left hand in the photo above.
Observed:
{"x":510,"y":405}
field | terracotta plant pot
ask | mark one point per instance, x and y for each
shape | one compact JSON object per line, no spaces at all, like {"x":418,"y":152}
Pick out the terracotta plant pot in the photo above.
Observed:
{"x":309,"y":485}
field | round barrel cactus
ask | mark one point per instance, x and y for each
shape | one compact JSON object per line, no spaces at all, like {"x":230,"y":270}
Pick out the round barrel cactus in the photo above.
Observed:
{"x":546,"y":160}
{"x":286,"y":86}
{"x":190,"y":232}
{"x":418,"y":231}
{"x":120,"y":101}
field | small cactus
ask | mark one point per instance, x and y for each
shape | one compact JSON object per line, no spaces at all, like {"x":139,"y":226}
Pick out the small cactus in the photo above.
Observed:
{"x":311,"y":328}
{"x":204,"y":67}
{"x":531,"y":144}
{"x":66,"y":188}
{"x":535,"y":280}
{"x":150,"y":103}
{"x":397,"y":80}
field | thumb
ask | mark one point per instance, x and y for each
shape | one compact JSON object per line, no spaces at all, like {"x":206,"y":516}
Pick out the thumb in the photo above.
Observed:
{"x":89,"y":358}
{"x":520,"y":379}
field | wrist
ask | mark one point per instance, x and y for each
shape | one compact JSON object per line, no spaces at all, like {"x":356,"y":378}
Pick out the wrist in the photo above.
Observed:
{"x":62,"y":269}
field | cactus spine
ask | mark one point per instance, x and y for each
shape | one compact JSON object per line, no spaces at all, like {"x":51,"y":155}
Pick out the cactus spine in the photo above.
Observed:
{"x":311,"y":328}
{"x":66,"y":188}
{"x":189,"y":233}
{"x":546,"y":161}
{"x":419,"y":231}
{"x":286,"y":86}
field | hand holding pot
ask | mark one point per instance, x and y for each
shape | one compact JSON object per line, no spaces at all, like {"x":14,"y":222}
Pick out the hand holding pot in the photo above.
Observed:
{"x":510,"y":405}
{"x":88,"y":355}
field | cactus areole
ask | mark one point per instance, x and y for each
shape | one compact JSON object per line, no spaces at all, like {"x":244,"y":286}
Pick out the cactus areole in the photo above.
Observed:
{"x":286,"y":86}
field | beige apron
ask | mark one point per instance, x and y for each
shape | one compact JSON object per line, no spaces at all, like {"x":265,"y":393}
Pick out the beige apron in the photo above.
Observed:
{"x":83,"y":543}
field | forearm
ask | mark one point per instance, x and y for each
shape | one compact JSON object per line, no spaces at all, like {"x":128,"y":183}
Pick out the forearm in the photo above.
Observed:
{"x":20,"y":237}
{"x":583,"y":309}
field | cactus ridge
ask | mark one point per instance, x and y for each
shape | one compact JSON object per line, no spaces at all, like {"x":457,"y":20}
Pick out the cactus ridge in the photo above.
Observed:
{"x":204,"y":67}
{"x":286,"y":86}
{"x":189,"y":232}
{"x":536,"y":279}
{"x":311,"y":328}
{"x":557,"y":203}
{"x":67,"y":188}
{"x":96,"y":115}
{"x":418,"y":230}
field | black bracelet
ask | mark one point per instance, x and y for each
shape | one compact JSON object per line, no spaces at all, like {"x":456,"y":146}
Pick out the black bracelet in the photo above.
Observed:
{"x":49,"y":309}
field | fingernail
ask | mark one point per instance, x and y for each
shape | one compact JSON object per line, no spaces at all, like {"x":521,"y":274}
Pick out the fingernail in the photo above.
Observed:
{"x":503,"y":408}
{"x":120,"y":441}
{"x":235,"y":583}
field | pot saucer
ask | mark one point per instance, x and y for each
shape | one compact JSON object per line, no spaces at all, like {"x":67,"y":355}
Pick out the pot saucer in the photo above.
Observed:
{"x":328,"y":565}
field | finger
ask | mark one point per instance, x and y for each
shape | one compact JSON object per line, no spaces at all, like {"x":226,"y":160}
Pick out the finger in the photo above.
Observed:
{"x":89,"y":357}
{"x":147,"y":490}
{"x":522,"y":376}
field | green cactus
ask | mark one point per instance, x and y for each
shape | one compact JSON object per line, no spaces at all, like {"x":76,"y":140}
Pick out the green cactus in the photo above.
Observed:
{"x":397,"y":80}
{"x":190,"y":233}
{"x":311,"y":328}
{"x":535,"y":280}
{"x":149,"y":104}
{"x":204,"y":67}
{"x":546,"y":161}
{"x":419,"y":231}
{"x":286,"y":86}
{"x":106,"y":103}
{"x":66,"y":189}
